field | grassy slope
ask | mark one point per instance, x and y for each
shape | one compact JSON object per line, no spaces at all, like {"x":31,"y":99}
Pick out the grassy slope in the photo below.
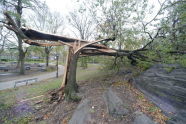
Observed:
{"x":8,"y":97}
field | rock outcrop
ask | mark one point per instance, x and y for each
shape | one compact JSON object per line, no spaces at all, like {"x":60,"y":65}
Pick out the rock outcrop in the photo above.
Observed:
{"x":114,"y":104}
{"x":165,"y":85}
{"x":82,"y":114}
{"x":141,"y":118}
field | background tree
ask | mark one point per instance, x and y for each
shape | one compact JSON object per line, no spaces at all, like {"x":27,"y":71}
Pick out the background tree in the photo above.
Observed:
{"x":165,"y":32}
{"x":16,"y":8}
{"x":117,"y":18}
{"x":7,"y":44}
{"x":82,"y":27}
{"x":47,"y":21}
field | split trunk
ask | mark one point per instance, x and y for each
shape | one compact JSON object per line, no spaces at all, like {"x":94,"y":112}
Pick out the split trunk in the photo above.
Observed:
{"x":69,"y":81}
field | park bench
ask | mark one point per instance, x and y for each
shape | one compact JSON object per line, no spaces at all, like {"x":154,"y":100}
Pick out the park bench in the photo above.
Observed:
{"x":25,"y":81}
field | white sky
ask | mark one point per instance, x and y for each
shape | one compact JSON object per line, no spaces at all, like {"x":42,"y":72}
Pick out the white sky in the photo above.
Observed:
{"x":65,"y":6}
{"x":62,"y":6}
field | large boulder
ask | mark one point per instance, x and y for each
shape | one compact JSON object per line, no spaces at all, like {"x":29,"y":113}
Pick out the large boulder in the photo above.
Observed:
{"x":82,"y":114}
{"x":165,"y":85}
{"x":114,"y":104}
{"x":141,"y":118}
{"x":179,"y":118}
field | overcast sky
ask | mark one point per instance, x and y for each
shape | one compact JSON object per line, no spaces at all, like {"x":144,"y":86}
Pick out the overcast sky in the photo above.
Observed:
{"x":65,"y":6}
{"x":62,"y":6}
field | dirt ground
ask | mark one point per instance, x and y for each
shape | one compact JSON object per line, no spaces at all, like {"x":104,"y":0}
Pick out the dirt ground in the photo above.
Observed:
{"x":39,"y":110}
{"x":134,"y":100}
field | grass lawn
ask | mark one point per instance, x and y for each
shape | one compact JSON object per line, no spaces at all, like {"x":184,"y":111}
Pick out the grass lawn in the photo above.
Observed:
{"x":10,"y":96}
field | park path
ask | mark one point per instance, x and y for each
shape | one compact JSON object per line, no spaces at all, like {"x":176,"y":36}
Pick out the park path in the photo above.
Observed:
{"x":10,"y":84}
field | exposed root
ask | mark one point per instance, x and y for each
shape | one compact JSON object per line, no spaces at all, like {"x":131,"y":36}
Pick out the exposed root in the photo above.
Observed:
{"x":57,"y":95}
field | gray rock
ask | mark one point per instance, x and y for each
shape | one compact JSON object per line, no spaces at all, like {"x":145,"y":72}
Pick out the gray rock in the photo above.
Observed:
{"x":179,"y":118}
{"x":82,"y":114}
{"x":114,"y":104}
{"x":165,"y":85}
{"x":141,"y":118}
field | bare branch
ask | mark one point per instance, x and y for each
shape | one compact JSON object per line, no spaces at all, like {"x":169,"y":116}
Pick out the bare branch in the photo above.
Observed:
{"x":159,"y":11}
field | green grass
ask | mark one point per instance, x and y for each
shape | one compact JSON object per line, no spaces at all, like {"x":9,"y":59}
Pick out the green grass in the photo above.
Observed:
{"x":9,"y":96}
{"x":35,"y":61}
{"x":42,"y":87}
{"x":91,"y":72}
{"x":169,"y":69}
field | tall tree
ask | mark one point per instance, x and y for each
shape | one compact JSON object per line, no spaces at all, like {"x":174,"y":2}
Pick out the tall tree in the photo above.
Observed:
{"x":15,"y":8}
{"x":176,"y":23}
{"x":168,"y":35}
{"x":119,"y":18}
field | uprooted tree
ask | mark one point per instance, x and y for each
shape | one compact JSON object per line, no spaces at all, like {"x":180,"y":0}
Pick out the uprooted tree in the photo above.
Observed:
{"x":77,"y":48}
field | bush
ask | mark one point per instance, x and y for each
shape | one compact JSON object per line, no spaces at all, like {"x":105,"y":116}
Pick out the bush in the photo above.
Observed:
{"x":182,"y":60}
{"x":51,"y":68}
{"x":143,"y":65}
{"x":111,"y":63}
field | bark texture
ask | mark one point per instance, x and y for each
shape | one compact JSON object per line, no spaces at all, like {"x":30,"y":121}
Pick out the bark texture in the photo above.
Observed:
{"x":71,"y":87}
{"x":20,"y":44}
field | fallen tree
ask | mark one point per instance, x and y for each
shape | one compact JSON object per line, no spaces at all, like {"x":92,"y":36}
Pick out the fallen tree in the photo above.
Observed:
{"x":77,"y":47}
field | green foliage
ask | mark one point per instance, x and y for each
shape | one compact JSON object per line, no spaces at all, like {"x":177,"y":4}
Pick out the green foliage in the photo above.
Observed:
{"x":83,"y":62}
{"x":153,"y":108}
{"x":19,"y":120}
{"x":34,"y":60}
{"x":51,"y":68}
{"x":115,"y":64}
{"x":182,"y":60}
{"x":169,"y":69}
{"x":108,"y":63}
{"x":143,"y":65}
{"x":4,"y":106}
{"x":114,"y":18}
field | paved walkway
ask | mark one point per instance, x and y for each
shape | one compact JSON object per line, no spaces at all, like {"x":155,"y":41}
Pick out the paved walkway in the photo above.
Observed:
{"x":10,"y":84}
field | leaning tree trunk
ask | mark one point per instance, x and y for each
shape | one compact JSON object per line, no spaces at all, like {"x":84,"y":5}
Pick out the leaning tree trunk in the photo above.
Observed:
{"x":69,"y":81}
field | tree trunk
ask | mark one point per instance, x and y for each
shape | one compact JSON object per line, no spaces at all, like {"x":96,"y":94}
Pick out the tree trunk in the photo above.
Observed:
{"x":47,"y":60}
{"x":71,"y":87}
{"x":47,"y":52}
{"x":21,"y":61}
{"x":22,"y":68}
{"x":20,"y":44}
